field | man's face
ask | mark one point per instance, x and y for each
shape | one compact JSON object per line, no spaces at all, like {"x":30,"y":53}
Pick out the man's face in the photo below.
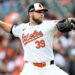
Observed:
{"x":38,"y":16}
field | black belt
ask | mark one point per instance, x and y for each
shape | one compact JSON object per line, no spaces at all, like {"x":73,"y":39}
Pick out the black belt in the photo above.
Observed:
{"x":51,"y":62}
{"x":43,"y":64}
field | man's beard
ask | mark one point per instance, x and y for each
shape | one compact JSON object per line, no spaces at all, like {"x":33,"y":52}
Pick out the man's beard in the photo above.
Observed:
{"x":36,"y":20}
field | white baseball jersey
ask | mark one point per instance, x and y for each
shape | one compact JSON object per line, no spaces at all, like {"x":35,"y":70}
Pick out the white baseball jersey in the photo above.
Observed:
{"x":36,"y":40}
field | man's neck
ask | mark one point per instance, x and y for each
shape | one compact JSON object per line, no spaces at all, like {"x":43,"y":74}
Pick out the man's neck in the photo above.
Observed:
{"x":32,"y":23}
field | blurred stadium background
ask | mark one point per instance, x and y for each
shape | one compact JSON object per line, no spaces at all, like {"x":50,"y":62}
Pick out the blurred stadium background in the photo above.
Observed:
{"x":11,"y":52}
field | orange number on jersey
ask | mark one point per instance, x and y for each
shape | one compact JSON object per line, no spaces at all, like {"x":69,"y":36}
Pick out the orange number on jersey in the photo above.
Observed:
{"x":40,"y":43}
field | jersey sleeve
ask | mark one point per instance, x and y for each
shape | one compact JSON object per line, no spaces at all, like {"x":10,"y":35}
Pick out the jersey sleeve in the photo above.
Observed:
{"x":54,"y":22}
{"x":52,"y":25}
{"x":17,"y":30}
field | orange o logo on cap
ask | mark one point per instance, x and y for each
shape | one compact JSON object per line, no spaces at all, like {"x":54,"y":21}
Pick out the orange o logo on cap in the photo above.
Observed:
{"x":40,"y":6}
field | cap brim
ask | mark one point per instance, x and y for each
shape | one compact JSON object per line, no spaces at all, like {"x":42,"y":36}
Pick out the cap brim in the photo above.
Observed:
{"x":45,"y":10}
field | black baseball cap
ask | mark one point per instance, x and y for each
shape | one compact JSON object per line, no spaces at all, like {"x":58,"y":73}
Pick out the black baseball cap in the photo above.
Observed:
{"x":37,"y":7}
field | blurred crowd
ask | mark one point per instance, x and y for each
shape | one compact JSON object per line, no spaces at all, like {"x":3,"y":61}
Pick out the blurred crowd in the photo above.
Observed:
{"x":11,"y":52}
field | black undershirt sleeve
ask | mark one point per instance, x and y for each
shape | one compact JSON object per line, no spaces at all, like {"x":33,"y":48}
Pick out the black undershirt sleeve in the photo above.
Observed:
{"x":11,"y":30}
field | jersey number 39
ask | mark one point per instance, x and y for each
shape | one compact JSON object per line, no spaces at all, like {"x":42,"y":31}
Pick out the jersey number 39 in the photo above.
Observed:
{"x":40,"y":44}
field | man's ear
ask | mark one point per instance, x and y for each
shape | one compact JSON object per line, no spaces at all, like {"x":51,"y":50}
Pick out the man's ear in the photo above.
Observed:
{"x":30,"y":14}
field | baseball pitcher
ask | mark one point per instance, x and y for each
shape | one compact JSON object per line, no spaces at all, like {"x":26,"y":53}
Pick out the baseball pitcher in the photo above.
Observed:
{"x":36,"y":38}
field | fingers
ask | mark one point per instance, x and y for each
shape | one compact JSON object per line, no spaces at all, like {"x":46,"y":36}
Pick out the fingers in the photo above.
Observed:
{"x":73,"y":21}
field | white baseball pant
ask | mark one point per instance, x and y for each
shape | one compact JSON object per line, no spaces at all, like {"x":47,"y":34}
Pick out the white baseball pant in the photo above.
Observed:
{"x":30,"y":69}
